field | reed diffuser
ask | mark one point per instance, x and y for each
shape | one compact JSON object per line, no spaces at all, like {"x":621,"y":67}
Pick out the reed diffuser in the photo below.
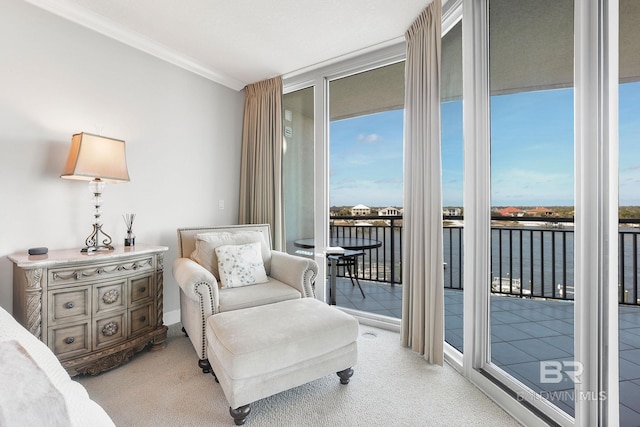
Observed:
{"x":130,"y":238}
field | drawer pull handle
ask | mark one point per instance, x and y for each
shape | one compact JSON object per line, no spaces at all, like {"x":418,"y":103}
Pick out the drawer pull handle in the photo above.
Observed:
{"x":143,"y":318}
{"x":69,"y":340}
{"x":142,"y":289}
{"x":70,"y":304}
{"x":110,"y":328}
{"x":111,"y":296}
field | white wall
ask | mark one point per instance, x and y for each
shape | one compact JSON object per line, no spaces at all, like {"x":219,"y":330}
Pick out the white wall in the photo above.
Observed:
{"x":183,"y":136}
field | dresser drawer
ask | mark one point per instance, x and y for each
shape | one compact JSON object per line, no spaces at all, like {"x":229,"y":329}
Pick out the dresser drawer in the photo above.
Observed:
{"x":140,"y":289}
{"x":98,"y":271}
{"x":109,"y":296}
{"x":69,"y":304}
{"x":110,"y":330}
{"x":70,"y":340}
{"x":140,"y":319}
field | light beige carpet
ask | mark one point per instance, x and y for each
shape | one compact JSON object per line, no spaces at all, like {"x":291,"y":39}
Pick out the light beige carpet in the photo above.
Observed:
{"x":392,"y":386}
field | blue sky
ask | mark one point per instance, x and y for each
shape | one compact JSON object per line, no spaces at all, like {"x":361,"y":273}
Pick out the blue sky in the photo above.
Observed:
{"x":366,"y":160}
{"x":532,"y":149}
{"x":629,"y":114}
{"x":531,"y":152}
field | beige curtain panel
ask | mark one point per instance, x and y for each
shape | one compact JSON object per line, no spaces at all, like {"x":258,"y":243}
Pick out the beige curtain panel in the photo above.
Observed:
{"x":261,"y":162}
{"x":422,"y":269}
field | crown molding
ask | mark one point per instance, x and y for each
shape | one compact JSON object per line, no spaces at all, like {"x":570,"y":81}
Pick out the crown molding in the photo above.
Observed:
{"x":107,"y":28}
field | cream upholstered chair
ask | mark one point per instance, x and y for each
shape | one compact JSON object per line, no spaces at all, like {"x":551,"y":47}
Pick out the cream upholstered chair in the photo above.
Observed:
{"x":201,"y":289}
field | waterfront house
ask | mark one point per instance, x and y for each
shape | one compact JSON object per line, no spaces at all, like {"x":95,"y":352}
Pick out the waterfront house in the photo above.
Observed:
{"x":540,"y":211}
{"x":389,"y":211}
{"x":360,"y":210}
{"x":511,"y":211}
{"x":451,"y":212}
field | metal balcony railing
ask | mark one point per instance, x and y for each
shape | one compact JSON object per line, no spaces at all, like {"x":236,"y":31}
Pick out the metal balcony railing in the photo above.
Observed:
{"x":531,"y":257}
{"x":382,"y":264}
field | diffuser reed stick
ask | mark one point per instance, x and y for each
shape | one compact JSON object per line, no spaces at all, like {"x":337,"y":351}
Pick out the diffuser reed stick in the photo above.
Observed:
{"x":130,"y":239}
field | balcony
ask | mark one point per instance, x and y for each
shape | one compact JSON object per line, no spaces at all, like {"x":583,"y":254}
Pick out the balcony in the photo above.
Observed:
{"x":532,"y":290}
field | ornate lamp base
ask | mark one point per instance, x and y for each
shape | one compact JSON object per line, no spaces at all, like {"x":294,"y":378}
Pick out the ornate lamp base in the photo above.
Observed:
{"x":92,"y":242}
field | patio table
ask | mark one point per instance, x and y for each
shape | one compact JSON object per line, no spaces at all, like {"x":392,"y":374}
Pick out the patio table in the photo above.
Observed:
{"x":352,"y":245}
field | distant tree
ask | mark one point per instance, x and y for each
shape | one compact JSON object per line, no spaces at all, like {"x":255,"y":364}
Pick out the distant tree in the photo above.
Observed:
{"x":629,"y":212}
{"x":563,"y":211}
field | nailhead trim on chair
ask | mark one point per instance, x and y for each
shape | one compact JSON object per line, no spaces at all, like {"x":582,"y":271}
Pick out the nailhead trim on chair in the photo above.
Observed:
{"x":309,"y":277}
{"x":204,"y":321}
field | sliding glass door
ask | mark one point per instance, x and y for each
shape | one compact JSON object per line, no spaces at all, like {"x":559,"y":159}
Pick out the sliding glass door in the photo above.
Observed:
{"x":366,"y":119}
{"x":541,"y":236}
{"x":532,"y":195}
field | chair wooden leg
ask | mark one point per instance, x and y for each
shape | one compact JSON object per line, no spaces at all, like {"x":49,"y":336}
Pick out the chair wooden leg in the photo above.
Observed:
{"x":345,"y":375}
{"x":204,"y":365}
{"x":240,"y":414}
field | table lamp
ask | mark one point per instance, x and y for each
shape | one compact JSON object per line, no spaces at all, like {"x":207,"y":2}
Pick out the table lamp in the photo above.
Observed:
{"x":99,"y":160}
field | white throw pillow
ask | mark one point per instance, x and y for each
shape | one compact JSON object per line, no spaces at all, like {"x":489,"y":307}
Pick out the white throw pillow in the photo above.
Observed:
{"x":206,"y":243}
{"x":240,"y":265}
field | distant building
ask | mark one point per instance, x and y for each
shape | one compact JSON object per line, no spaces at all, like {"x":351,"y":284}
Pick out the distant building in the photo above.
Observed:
{"x":360,"y":210}
{"x":511,"y":211}
{"x":389,"y":211}
{"x":540,"y":211}
{"x":451,"y":212}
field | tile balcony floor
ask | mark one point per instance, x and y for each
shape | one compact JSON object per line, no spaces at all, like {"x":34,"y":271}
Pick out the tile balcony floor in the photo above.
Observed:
{"x":523,"y":333}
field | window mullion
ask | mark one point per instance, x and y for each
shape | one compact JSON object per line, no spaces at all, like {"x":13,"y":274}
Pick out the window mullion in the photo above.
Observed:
{"x":596,"y":226}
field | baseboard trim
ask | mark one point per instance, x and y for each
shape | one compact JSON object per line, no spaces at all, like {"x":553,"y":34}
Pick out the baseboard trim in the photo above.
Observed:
{"x":375,"y":320}
{"x":171,"y":317}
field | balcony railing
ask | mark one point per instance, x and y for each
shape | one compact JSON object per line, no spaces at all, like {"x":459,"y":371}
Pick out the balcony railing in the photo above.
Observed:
{"x":531,"y":257}
{"x":382,"y":264}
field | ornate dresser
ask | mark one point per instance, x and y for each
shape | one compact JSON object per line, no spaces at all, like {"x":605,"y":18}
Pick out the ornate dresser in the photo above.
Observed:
{"x":93,"y":311}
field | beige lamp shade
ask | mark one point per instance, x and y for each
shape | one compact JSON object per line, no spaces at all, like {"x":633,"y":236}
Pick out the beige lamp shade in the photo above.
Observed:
{"x":96,"y":157}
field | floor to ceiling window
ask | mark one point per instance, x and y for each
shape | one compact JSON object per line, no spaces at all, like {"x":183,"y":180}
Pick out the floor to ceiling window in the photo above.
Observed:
{"x":520,"y":163}
{"x":542,"y":128}
{"x":629,"y":200}
{"x":532,"y":195}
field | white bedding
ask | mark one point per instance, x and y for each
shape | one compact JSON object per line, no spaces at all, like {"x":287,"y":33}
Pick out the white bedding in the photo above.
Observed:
{"x":81,"y":410}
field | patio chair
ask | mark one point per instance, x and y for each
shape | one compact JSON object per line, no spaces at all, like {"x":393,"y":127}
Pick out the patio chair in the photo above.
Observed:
{"x":349,"y":260}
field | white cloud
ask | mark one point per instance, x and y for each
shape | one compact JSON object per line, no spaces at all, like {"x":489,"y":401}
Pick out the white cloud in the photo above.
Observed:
{"x":369,"y":139}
